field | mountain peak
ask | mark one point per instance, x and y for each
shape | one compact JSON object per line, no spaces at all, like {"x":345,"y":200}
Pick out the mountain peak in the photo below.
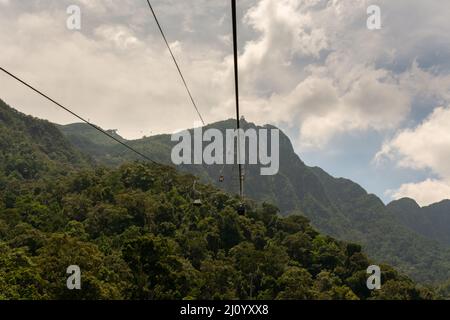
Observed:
{"x":407,"y":203}
{"x":444,"y":205}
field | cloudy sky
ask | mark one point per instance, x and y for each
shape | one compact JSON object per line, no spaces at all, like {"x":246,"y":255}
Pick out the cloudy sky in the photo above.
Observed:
{"x":369,"y":105}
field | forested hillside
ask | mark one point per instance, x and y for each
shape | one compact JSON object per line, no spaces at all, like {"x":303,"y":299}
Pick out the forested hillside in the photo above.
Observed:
{"x":431,"y":221}
{"x":337,"y":207}
{"x":31,"y":148}
{"x":136,"y":233}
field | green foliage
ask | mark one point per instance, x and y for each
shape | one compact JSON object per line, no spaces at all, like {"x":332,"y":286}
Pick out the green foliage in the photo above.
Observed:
{"x":135,"y":234}
{"x":336,"y":207}
{"x":432,"y":222}
{"x":31,"y":148}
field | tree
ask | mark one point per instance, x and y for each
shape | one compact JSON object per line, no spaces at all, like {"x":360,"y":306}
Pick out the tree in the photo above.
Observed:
{"x":295,"y":284}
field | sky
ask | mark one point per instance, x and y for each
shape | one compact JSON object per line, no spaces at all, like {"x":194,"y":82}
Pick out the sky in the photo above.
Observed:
{"x":369,"y":105}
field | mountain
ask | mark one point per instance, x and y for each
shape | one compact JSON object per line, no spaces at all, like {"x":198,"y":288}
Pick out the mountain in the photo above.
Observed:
{"x":136,"y":232}
{"x":108,"y":152}
{"x":31,"y":148}
{"x":338,"y":207}
{"x":431,"y":221}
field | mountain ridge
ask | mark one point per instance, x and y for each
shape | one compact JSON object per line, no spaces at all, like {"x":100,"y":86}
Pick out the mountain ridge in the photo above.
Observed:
{"x":336,"y":206}
{"x":431,"y":221}
{"x":136,"y":233}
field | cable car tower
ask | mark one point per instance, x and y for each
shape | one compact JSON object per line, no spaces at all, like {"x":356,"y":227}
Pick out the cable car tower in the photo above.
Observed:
{"x":241,"y":209}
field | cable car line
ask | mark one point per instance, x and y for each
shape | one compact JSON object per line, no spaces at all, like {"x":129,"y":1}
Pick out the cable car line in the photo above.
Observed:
{"x":236,"y":82}
{"x":175,"y":61}
{"x":77,"y":116}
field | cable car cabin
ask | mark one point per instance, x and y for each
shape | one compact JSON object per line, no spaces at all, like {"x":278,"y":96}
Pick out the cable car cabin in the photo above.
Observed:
{"x":221,"y":179}
{"x":241,"y":209}
{"x":197,"y":203}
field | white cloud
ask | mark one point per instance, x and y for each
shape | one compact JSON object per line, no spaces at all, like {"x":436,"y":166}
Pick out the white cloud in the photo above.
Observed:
{"x":120,"y":36}
{"x":310,"y":66}
{"x":426,"y":147}
{"x":426,"y":84}
{"x":106,"y":6}
{"x":425,"y":193}
{"x":323,"y":104}
{"x":368,"y":101}
{"x":110,"y":74}
{"x":322,"y":98}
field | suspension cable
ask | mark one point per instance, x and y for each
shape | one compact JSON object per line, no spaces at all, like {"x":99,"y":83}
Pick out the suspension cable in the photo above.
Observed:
{"x":79,"y":117}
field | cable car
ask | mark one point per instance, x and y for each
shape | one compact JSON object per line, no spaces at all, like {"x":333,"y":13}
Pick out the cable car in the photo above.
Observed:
{"x":197,"y":201}
{"x":241,"y":209}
